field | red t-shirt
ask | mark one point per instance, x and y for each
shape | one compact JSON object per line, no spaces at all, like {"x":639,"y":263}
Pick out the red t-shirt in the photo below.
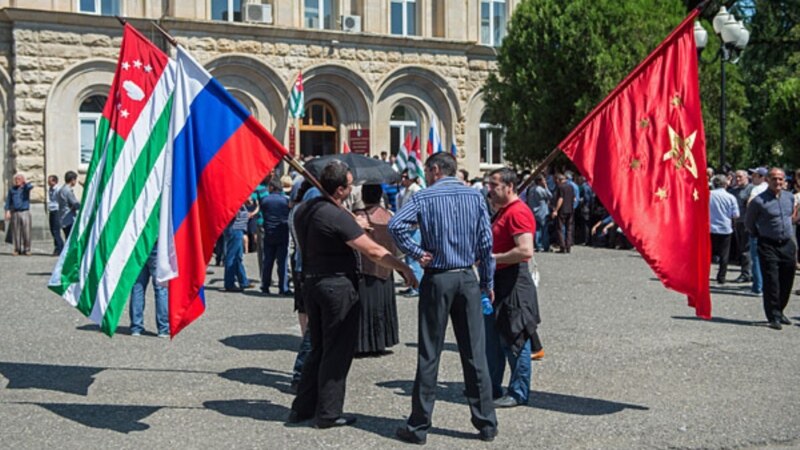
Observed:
{"x":513,"y":220}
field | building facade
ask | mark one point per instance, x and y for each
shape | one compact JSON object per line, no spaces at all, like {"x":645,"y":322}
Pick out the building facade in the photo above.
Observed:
{"x":374,"y":71}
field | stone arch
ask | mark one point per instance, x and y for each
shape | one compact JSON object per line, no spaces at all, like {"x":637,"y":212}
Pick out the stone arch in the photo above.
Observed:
{"x":346,"y":91}
{"x":476,"y":106}
{"x":257,"y":85}
{"x":92,"y":77}
{"x":422,"y":87}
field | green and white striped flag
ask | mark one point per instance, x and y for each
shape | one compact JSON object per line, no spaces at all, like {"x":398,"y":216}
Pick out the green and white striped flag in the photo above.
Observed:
{"x":296,"y":99}
{"x":401,"y":160}
{"x":117,"y":225}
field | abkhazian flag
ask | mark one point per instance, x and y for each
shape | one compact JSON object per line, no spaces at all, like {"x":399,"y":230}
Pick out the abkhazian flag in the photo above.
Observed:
{"x":401,"y":160}
{"x":117,"y":225}
{"x":434,"y":144}
{"x":214,"y":169}
{"x":415,"y":168}
{"x":297,"y":98}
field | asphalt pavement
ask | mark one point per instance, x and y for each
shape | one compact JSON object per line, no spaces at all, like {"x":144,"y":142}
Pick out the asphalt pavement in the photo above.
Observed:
{"x":627,"y":366}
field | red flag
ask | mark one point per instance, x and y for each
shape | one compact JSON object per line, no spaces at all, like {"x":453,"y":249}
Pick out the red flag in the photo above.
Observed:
{"x":415,"y":149}
{"x":642,"y":149}
{"x":345,"y":148}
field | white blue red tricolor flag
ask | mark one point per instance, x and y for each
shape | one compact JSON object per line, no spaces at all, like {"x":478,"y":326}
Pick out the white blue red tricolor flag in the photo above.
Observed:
{"x":434,"y":142}
{"x":217,"y":154}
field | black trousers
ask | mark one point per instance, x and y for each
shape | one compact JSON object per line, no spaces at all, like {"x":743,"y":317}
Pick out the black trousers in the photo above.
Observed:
{"x":333,"y":323}
{"x":565,"y":230}
{"x":777,"y":262}
{"x":55,"y":231}
{"x":721,"y":246}
{"x":743,"y":247}
{"x":457,"y":295}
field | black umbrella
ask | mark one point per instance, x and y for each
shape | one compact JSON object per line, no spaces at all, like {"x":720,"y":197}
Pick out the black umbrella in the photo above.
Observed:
{"x":365,"y":170}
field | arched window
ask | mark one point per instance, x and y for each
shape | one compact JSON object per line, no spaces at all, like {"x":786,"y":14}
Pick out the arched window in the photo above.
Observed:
{"x":491,"y":142}
{"x":89,"y":114}
{"x":402,"y":122}
{"x":319,"y":129}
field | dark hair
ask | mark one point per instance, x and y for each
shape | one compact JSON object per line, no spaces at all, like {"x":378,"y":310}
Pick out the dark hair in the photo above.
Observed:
{"x":539,"y":177}
{"x":507,"y":176}
{"x":70,"y":176}
{"x":53,"y":177}
{"x":304,"y":187}
{"x":465,"y":173}
{"x":275,"y":185}
{"x":334,"y":176}
{"x":444,"y":161}
{"x":371,"y":194}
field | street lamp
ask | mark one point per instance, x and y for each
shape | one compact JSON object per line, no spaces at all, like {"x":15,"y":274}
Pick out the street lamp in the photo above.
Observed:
{"x":733,"y":38}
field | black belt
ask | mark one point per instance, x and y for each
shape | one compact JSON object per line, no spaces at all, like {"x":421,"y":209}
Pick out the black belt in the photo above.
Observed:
{"x":308,"y":276}
{"x":774,"y":242}
{"x":432,"y":271}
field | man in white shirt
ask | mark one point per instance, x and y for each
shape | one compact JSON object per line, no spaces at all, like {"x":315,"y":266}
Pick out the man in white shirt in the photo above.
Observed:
{"x":759,"y":176}
{"x":724,"y":209}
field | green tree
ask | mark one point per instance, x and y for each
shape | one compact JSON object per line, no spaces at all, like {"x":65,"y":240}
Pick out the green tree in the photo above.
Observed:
{"x":560,"y":58}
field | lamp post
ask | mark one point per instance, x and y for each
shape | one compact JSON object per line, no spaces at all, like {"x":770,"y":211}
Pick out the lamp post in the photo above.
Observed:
{"x":733,"y":38}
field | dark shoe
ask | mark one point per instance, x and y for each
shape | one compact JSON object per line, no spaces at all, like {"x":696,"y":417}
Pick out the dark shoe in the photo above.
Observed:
{"x":293,"y":387}
{"x":405,"y":435}
{"x":743,"y":279}
{"x":784,"y":320}
{"x":775,"y":324}
{"x":343,"y":421}
{"x":296,"y":417}
{"x":249,"y":285}
{"x":720,"y":282}
{"x":487,"y":434}
{"x":288,"y":293}
{"x":233,"y":289}
{"x":506,"y":401}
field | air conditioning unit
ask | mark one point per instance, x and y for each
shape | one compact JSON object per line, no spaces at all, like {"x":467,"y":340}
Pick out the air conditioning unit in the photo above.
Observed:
{"x":258,"y":13}
{"x":351,"y":24}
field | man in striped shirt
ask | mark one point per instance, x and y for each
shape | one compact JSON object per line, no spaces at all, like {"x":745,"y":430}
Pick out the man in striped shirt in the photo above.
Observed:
{"x":454,"y":223}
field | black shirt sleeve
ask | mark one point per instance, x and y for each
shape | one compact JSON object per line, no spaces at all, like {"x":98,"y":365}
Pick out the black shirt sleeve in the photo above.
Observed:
{"x":344,"y":225}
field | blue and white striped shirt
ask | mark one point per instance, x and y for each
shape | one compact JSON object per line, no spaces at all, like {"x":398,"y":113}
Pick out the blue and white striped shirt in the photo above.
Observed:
{"x":455,"y":228}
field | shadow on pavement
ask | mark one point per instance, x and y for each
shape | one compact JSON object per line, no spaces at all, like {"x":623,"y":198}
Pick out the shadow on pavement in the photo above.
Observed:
{"x":260,"y":377}
{"x":39,"y":274}
{"x":119,"y":418}
{"x":448,"y":391}
{"x":748,"y":323}
{"x":263,"y":341}
{"x":448,"y":346}
{"x":582,"y":406}
{"x":69,"y":379}
{"x":742,"y":291}
{"x":254,"y":409}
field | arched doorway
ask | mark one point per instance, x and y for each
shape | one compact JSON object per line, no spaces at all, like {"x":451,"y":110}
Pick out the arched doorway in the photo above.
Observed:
{"x":319,"y":130}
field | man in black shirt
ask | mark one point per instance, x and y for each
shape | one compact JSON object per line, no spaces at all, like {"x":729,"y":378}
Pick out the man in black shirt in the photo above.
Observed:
{"x":564,"y":211}
{"x":329,"y":237}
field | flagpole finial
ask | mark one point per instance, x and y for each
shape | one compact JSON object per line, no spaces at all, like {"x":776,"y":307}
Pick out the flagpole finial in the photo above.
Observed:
{"x":122,"y":20}
{"x":164,"y":33}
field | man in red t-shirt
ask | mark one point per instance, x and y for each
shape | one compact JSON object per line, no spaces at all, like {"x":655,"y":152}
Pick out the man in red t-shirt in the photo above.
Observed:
{"x":512,"y":326}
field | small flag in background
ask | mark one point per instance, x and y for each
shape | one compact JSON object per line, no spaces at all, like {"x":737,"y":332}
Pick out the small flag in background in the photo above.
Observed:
{"x":297,"y":98}
{"x":345,"y":148}
{"x":643,"y":152}
{"x":213,"y":171}
{"x":415,"y":168}
{"x":117,"y":226}
{"x":453,"y":148}
{"x":434,"y":144}
{"x":401,"y":161}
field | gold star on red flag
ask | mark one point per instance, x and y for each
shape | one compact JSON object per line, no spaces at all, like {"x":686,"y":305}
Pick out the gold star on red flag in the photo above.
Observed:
{"x":695,"y":195}
{"x":681,"y":151}
{"x":661,"y":193}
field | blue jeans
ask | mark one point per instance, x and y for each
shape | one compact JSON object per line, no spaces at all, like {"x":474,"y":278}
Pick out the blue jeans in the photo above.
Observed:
{"x":271,"y":253}
{"x":234,"y":268}
{"x":542,"y":237}
{"x":302,"y":354}
{"x":413,"y":263}
{"x":755,"y":267}
{"x":137,"y":298}
{"x":497,"y":352}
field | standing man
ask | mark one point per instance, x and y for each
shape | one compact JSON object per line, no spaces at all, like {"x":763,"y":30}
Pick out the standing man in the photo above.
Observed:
{"x":538,"y":200}
{"x":759,"y":175}
{"x":68,"y":204}
{"x":18,"y":214}
{"x":456,"y":234}
{"x":136,"y":310}
{"x":275,"y":208}
{"x":741,"y":191}
{"x":511,"y":328}
{"x":234,"y":251}
{"x":328,"y":236}
{"x":723,"y":210}
{"x":52,"y":213}
{"x":769,"y":219}
{"x":410,"y":187}
{"x":564,"y":212}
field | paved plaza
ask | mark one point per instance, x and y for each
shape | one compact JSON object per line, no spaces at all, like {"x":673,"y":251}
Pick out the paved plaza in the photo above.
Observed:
{"x":627,"y":366}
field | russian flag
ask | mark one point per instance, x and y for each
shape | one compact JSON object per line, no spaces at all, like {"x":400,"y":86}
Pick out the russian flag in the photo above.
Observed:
{"x":218,"y":153}
{"x":434,"y":142}
{"x":453,"y":148}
